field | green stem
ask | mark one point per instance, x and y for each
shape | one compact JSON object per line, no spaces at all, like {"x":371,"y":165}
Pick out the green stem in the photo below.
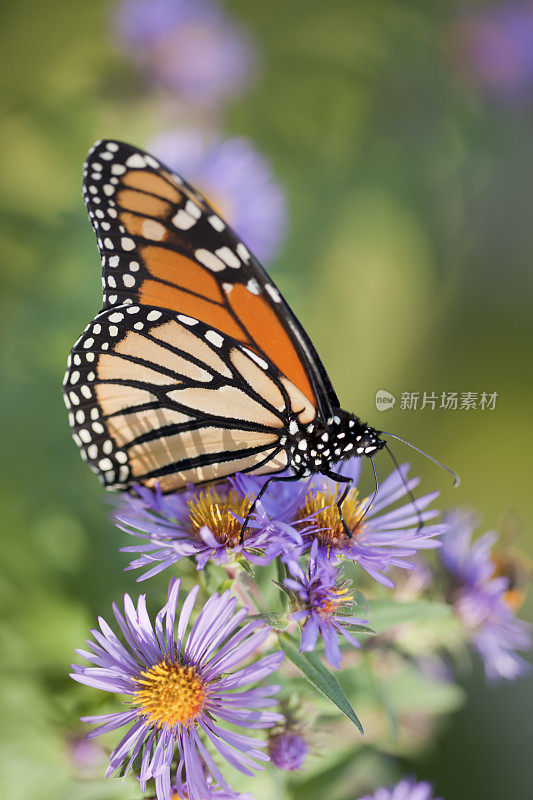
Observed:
{"x":240,"y":590}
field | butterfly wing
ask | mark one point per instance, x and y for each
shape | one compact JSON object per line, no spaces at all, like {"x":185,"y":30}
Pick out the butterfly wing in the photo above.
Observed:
{"x":164,"y":246}
{"x":155,"y":396}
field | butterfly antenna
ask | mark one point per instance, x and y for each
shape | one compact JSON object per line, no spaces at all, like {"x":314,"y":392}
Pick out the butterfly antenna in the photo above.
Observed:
{"x":407,"y":488}
{"x":455,"y":476}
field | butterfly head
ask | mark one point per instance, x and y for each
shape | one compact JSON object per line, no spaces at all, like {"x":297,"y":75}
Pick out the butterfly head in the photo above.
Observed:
{"x":317,"y":445}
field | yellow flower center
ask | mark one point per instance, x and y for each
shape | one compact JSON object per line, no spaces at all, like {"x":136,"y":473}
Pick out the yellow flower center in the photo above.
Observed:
{"x":216,"y":512}
{"x":322,"y":506}
{"x":170,"y":693}
{"x":341,"y":596}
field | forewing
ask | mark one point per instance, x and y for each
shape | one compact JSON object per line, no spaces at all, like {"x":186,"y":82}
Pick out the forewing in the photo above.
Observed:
{"x":163,"y":245}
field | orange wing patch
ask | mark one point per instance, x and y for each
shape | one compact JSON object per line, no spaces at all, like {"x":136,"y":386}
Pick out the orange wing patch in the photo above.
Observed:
{"x":270,"y":335}
{"x":171,"y":267}
{"x":152,"y":183}
{"x":142,"y":203}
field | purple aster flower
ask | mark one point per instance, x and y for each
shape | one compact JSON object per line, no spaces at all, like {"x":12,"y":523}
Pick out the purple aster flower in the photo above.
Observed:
{"x":187,"y":46}
{"x":406,"y":789}
{"x":181,"y":792}
{"x":481,"y":599}
{"x":493,"y":48}
{"x":320,"y":594}
{"x":380,"y":538}
{"x":288,"y":750}
{"x":180,"y":686}
{"x":203,"y":523}
{"x":236,"y":180}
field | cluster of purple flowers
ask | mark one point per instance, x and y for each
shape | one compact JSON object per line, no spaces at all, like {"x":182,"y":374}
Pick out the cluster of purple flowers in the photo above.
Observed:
{"x":201,"y":57}
{"x":483,"y":599}
{"x":186,"y":46}
{"x":293,"y":520}
{"x":406,"y":789}
{"x":184,"y":687}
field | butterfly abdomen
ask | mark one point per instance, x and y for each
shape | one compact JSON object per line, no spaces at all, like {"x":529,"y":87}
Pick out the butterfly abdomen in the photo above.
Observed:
{"x":314,"y":447}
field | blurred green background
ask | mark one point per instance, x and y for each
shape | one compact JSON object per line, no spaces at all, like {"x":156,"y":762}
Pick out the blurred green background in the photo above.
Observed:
{"x":408,"y":259}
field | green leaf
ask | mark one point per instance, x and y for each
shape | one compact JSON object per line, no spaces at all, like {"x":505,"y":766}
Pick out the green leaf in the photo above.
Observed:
{"x":385,"y":614}
{"x":288,"y":592}
{"x":276,"y":619}
{"x":247,"y":567}
{"x":320,"y":677}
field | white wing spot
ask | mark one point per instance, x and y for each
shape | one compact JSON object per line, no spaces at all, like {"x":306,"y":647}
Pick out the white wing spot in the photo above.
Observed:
{"x":215,"y":338}
{"x":187,"y":320}
{"x":136,"y":161}
{"x":193,"y":209}
{"x":228,"y":256}
{"x":273,"y":292}
{"x":253,"y":286}
{"x":216,"y":223}
{"x":243,"y":252}
{"x":183,"y":221}
{"x":153,"y":230}
{"x":127,"y":243}
{"x":153,"y":315}
{"x":209,"y":260}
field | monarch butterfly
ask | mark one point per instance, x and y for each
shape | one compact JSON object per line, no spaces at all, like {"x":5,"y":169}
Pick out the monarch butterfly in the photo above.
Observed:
{"x":196,"y":368}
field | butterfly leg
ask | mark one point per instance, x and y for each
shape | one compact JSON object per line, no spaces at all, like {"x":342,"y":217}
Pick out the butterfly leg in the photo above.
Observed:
{"x":342,"y":479}
{"x":272,"y":479}
{"x":340,"y":501}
